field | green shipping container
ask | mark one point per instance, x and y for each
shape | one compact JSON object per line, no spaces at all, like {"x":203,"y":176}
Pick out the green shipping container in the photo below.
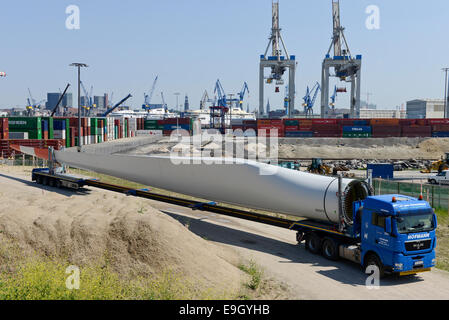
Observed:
{"x":93,"y":126}
{"x":67,"y":133}
{"x":25,"y":123}
{"x":356,"y":135}
{"x":292,"y":122}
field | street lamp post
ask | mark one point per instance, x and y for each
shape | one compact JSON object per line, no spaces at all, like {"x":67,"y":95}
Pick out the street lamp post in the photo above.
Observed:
{"x":79,"y":66}
{"x":445,"y":93}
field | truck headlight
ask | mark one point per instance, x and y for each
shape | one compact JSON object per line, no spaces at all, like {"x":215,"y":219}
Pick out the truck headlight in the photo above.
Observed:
{"x":434,"y":261}
{"x":398,"y":266}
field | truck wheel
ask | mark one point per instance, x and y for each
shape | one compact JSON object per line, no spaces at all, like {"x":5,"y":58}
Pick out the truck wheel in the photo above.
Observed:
{"x":330,"y":249}
{"x":433,"y":182}
{"x":373,"y":260}
{"x":45,"y":181}
{"x":38,"y":180}
{"x":58,"y":184}
{"x":313,"y":243}
{"x":51,"y":182}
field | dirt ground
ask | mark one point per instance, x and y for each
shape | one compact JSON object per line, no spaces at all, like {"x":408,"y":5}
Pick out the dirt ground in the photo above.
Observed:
{"x":91,"y":226}
{"x":333,"y":148}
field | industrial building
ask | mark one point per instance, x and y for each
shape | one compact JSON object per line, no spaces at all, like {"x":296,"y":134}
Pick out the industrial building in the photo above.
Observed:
{"x":425,"y":109}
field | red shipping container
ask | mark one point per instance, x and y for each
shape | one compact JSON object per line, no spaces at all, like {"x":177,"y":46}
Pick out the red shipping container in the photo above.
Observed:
{"x":324,"y":121}
{"x":326,"y":128}
{"x":441,"y":128}
{"x":269,"y":133}
{"x":386,"y":131}
{"x":45,"y":135}
{"x":327,"y":134}
{"x":437,"y":121}
{"x":291,"y":128}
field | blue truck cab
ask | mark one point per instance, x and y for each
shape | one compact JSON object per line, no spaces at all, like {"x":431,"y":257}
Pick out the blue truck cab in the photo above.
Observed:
{"x":397,"y":233}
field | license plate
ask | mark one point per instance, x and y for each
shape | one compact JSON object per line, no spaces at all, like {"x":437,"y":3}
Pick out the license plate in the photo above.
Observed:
{"x":419,"y":263}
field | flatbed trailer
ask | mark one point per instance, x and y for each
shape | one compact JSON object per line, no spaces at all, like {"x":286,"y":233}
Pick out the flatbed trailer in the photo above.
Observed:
{"x":324,"y":238}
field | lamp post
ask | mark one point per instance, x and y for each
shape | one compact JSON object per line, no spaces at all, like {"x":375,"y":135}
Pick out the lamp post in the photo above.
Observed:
{"x":445,"y":93}
{"x":79,"y":66}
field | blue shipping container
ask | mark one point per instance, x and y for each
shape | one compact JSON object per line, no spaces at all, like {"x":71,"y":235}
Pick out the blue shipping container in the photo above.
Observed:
{"x":44,"y":125}
{"x":299,"y":134}
{"x":59,"y":124}
{"x":382,"y":170}
{"x":440,"y":134}
{"x":174,"y":126}
{"x":357,"y":129}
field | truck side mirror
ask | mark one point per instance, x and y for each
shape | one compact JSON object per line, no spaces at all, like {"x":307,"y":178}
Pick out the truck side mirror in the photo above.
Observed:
{"x":388,"y":225}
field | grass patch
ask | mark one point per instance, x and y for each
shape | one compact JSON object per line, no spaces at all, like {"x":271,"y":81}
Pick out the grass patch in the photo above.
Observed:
{"x":44,"y":279}
{"x":442,"y":250}
{"x":255,"y":274}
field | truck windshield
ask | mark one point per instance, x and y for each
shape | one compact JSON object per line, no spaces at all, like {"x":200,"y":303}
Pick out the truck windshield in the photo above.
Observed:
{"x":415,"y":223}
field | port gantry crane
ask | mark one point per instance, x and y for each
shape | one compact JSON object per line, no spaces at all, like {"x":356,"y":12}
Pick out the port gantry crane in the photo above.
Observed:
{"x":278,"y":64}
{"x":310,"y":98}
{"x":32,"y":104}
{"x":147,"y":98}
{"x":242,"y":94}
{"x":347,"y":68}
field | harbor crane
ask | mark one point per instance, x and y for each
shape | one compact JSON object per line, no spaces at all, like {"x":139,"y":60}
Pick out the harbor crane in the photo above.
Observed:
{"x":347,"y":67}
{"x":219,"y":91}
{"x":242,"y":94}
{"x":147,"y":98}
{"x":164,"y":105}
{"x":87,"y":100}
{"x":310,"y":98}
{"x":278,"y":62}
{"x":204,"y":100}
{"x":32,"y":104}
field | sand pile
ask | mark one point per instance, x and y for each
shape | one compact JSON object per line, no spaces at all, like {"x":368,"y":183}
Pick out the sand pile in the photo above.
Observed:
{"x":133,"y":237}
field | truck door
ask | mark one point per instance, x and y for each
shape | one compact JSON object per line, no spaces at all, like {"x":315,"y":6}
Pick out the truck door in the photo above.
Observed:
{"x":382,"y":239}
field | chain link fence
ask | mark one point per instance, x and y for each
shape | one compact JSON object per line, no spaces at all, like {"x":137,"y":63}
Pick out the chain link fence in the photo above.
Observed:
{"x":436,"y":195}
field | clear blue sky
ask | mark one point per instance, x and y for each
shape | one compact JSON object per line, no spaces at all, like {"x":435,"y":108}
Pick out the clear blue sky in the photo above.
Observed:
{"x":191,"y":43}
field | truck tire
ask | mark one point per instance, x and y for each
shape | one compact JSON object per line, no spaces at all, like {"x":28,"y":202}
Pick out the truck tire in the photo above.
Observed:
{"x":313,"y":243}
{"x":433,"y":182}
{"x":45,"y":181}
{"x":373,"y":259}
{"x":38,"y":180}
{"x":51,"y":182}
{"x":330,"y":249}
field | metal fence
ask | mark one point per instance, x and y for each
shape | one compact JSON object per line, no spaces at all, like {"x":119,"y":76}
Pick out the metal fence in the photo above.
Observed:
{"x":436,"y":195}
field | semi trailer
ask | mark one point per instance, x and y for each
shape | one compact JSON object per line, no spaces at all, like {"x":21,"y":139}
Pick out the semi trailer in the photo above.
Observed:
{"x":335,"y":217}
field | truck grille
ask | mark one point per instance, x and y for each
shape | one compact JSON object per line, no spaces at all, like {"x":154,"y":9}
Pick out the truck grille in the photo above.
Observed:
{"x":418,"y":245}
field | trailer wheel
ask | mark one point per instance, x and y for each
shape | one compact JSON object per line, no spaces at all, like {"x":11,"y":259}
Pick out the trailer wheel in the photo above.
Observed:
{"x":39,"y":180}
{"x":373,"y":260}
{"x":58,"y":183}
{"x":330,"y":249}
{"x":313,"y":243}
{"x":51,"y":182}
{"x":45,"y":181}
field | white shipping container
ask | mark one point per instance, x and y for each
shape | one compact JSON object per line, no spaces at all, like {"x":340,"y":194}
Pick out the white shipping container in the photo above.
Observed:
{"x":140,"y":133}
{"x":59,"y":134}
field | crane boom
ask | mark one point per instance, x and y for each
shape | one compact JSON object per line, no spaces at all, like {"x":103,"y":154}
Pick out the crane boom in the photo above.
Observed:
{"x":117,"y":105}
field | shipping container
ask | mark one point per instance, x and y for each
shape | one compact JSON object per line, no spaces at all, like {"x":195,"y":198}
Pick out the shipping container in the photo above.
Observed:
{"x":440,"y":134}
{"x":357,"y":129}
{"x":386,"y":131}
{"x":298,"y":134}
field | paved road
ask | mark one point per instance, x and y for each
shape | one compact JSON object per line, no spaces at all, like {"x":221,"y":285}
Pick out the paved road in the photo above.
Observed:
{"x":308,"y":276}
